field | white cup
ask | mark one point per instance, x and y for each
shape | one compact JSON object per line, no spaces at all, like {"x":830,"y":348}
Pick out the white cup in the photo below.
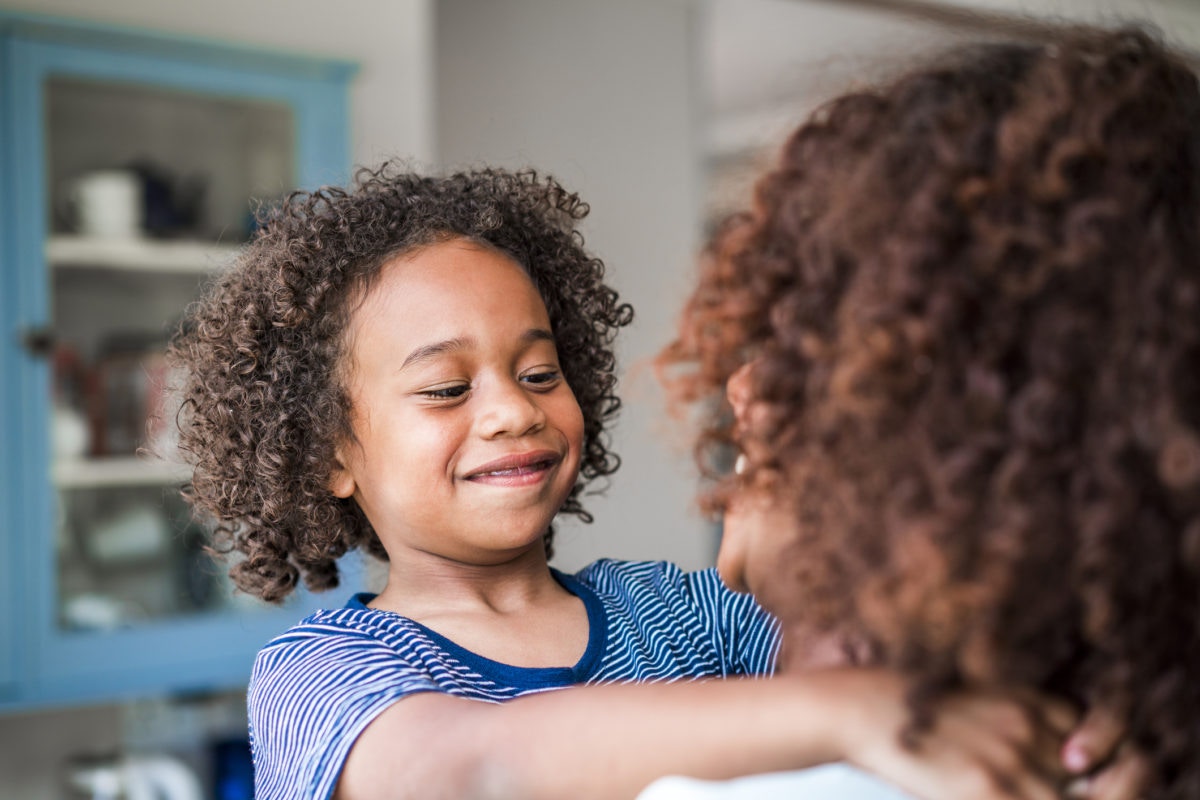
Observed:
{"x":108,"y":204}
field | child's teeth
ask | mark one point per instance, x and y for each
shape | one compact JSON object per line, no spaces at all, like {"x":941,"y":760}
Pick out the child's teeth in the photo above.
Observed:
{"x":515,"y":470}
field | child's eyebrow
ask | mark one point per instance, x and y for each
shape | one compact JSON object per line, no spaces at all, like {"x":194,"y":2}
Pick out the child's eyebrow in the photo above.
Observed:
{"x":537,"y":335}
{"x":429,"y":351}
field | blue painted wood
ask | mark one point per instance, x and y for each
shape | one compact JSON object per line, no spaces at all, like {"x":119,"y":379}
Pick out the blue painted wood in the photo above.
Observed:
{"x":32,"y":494}
{"x":10,"y":590}
{"x":177,"y":49}
{"x":40,"y":663}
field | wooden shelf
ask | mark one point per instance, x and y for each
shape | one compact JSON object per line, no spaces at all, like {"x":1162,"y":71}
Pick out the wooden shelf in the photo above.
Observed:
{"x":139,"y":255}
{"x":116,"y":471}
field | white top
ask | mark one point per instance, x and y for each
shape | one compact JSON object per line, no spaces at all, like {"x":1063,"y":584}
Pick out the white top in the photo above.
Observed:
{"x":831,"y":782}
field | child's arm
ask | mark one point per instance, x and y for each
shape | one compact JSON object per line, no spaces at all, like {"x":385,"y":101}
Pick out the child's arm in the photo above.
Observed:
{"x":611,"y":741}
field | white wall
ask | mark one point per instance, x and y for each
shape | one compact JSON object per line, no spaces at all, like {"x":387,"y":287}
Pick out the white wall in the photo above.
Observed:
{"x":1179,"y":19}
{"x":603,"y":96}
{"x":391,"y":99}
{"x":768,"y":62}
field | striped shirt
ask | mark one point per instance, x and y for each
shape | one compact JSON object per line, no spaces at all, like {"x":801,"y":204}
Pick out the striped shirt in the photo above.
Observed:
{"x":316,"y":687}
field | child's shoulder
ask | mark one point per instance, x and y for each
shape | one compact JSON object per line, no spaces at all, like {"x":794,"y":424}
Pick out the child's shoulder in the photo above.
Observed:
{"x":353,"y":621}
{"x":333,"y":640}
{"x":648,"y":604}
{"x":616,"y":569}
{"x":608,"y":575}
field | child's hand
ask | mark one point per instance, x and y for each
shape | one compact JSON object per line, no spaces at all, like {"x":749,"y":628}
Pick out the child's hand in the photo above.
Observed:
{"x":981,"y":746}
{"x":1109,"y":767}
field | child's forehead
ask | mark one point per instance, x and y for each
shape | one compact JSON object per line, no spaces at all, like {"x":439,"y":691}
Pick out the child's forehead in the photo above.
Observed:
{"x":463,"y":256}
{"x":456,"y":276}
{"x":460,"y":242}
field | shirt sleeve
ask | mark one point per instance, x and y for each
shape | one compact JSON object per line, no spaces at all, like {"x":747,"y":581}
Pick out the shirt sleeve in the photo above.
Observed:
{"x":312,"y":692}
{"x":746,"y":635}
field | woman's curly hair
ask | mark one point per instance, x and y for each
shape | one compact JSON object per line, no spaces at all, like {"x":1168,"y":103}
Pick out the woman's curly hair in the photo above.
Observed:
{"x":971,"y":302}
{"x":263,"y":406}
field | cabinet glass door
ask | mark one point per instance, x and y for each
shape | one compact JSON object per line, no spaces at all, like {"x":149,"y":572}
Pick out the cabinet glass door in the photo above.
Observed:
{"x":129,"y":169}
{"x":150,"y":191}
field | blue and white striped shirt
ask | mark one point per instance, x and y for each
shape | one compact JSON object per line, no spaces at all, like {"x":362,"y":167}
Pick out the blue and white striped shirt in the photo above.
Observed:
{"x":316,"y":687}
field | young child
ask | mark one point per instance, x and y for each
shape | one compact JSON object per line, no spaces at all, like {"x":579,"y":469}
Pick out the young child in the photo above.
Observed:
{"x":959,"y":335}
{"x":422,"y":367}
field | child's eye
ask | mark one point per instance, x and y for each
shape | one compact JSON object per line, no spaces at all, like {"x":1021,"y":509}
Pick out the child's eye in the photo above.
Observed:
{"x":545,"y":379}
{"x":446,"y":392}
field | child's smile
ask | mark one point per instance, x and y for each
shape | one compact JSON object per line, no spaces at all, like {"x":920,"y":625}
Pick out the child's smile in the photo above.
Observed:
{"x":517,"y":470}
{"x":467,"y":438}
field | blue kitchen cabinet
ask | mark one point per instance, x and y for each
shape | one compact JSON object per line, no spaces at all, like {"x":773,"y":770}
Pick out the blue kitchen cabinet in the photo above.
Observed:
{"x":105,"y":592}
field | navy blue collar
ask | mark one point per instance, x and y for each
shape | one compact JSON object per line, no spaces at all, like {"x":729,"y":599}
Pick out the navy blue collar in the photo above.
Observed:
{"x":526,"y":677}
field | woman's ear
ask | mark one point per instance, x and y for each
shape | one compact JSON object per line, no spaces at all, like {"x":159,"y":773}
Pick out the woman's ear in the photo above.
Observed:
{"x":341,"y":477}
{"x":737,"y":391}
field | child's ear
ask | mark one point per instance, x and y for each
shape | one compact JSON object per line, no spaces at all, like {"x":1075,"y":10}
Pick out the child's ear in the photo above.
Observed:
{"x":341,"y":478}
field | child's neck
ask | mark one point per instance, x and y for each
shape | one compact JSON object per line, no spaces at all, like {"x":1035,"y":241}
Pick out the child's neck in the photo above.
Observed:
{"x":418,"y":586}
{"x":515,"y":613}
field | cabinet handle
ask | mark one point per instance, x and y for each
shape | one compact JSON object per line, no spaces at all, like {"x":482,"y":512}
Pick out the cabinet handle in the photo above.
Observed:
{"x":39,"y":341}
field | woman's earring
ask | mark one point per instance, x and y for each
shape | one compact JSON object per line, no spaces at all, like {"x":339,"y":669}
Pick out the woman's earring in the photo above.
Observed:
{"x":739,"y":466}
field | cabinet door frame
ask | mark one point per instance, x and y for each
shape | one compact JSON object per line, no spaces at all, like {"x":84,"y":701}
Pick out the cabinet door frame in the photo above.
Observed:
{"x":39,"y":662}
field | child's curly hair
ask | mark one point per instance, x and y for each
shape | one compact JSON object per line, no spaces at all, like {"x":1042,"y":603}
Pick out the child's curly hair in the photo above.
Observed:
{"x":263,"y":406}
{"x":972,"y":303}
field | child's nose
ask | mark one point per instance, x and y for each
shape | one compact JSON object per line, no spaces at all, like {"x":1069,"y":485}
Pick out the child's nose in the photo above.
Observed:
{"x":510,"y":411}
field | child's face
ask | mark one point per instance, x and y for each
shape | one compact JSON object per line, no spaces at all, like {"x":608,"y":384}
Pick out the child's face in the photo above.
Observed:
{"x":467,"y":438}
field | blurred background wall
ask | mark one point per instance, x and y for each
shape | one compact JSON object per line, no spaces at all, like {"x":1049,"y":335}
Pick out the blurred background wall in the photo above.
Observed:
{"x":606,"y":97}
{"x":658,"y":112}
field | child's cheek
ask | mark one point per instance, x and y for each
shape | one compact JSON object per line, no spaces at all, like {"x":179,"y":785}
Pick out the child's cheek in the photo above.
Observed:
{"x":573,"y":425}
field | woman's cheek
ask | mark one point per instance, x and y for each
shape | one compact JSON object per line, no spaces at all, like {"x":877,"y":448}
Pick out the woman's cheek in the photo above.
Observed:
{"x":731,"y":557}
{"x":746,"y":542}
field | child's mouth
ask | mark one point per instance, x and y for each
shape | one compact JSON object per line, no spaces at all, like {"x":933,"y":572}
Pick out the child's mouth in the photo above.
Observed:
{"x":516,"y":470}
{"x":538,"y":467}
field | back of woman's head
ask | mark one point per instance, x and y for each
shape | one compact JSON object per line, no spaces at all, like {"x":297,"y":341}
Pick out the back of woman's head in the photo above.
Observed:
{"x":972,"y":300}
